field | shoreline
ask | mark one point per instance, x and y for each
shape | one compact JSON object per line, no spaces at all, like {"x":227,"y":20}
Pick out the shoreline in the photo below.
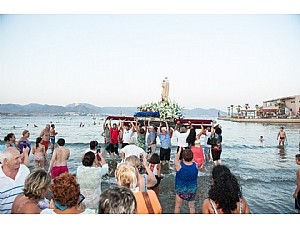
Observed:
{"x":263,"y":121}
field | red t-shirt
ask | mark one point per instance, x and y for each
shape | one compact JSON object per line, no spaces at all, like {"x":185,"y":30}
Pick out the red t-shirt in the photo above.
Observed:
{"x":114,"y":133}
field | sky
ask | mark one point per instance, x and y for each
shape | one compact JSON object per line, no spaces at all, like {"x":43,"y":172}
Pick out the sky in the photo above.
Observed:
{"x":212,"y":60}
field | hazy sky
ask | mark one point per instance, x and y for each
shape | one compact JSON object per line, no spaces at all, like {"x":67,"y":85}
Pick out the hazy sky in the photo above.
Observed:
{"x":211,"y":60}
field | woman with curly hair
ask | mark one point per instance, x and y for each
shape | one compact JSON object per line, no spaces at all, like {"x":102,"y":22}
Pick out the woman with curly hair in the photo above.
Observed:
{"x":36,"y":187}
{"x":224,"y":196}
{"x":66,"y":197}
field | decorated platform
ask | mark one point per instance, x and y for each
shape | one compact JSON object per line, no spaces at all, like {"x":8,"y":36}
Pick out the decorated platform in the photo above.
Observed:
{"x":164,"y":110}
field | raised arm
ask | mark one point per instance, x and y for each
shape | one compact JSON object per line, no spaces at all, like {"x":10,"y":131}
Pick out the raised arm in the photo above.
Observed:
{"x":177,"y":160}
{"x":151,"y":179}
{"x":167,"y":126}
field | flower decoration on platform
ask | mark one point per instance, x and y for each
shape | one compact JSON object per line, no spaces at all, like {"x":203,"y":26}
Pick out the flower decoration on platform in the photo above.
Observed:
{"x":166,"y":110}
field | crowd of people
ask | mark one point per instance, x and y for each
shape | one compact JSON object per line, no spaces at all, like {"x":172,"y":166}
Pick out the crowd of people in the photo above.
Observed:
{"x":138,"y":175}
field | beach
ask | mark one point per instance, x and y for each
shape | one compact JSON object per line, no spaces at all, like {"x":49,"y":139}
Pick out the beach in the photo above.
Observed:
{"x":266,"y":173}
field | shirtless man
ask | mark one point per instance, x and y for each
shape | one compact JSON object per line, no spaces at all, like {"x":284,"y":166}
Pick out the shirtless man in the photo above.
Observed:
{"x":53,"y":133}
{"x":58,"y":163}
{"x":45,"y":135}
{"x":282,"y":137}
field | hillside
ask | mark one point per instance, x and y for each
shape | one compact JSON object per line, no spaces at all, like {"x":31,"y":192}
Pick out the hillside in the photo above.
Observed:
{"x":88,"y":109}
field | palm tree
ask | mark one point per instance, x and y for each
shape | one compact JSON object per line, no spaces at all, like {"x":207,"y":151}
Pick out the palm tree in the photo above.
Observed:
{"x":228,"y":108}
{"x":231,"y":106}
{"x":281,"y":106}
{"x":256,"y":108}
{"x":247,"y":107}
{"x":238,"y":109}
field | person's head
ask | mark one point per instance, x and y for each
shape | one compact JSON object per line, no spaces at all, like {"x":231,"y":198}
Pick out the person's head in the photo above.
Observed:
{"x":154,"y":159}
{"x":117,"y":200}
{"x":297,"y":157}
{"x":126,"y":175}
{"x":52,"y":126}
{"x":219,"y":170}
{"x":127,"y":127}
{"x":37,"y":184}
{"x":26,"y":133}
{"x":88,"y":158}
{"x":150,"y":128}
{"x":133,"y":159}
{"x":47,"y":127}
{"x":65,"y":191}
{"x":187,"y":155}
{"x":11,"y":159}
{"x":61,"y":142}
{"x":10,"y":137}
{"x":114,"y":126}
{"x":93,"y":145}
{"x":132,"y":140}
{"x":226,"y":192}
{"x":163,"y":130}
{"x":281,"y":128}
{"x":142,"y":130}
{"x":38,"y":140}
{"x":218,"y":131}
{"x":182,"y":129}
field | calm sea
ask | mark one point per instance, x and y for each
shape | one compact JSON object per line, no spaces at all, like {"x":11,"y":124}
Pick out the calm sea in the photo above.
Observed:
{"x":266,"y":173}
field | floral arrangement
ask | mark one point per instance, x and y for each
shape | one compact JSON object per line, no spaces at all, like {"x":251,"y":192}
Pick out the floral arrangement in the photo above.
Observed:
{"x":167,"y":110}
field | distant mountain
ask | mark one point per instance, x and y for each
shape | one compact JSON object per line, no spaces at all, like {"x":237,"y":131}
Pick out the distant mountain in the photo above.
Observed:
{"x":85,"y":109}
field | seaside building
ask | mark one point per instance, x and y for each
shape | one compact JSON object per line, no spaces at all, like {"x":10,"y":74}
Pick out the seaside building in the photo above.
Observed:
{"x":289,"y":106}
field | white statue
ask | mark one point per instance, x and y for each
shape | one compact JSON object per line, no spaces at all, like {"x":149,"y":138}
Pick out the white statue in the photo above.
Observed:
{"x":165,"y":90}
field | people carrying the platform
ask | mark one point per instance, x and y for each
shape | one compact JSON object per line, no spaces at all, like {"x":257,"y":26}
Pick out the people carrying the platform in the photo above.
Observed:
{"x":106,"y":136}
{"x":89,"y":177}
{"x":185,"y":180}
{"x":39,"y":154}
{"x":181,"y":133}
{"x":117,"y":200}
{"x":163,"y":134}
{"x":225,"y":195}
{"x":12,"y":178}
{"x":60,"y":156}
{"x":127,"y":133}
{"x":36,"y":187}
{"x":114,"y":139}
{"x":66,"y":196}
{"x":141,"y":136}
{"x":151,"y":139}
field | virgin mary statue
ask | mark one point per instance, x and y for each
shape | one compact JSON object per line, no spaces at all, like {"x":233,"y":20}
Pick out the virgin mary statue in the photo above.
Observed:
{"x":165,"y":90}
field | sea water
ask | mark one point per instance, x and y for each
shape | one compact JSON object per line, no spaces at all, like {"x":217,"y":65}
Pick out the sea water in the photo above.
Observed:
{"x":266,"y":173}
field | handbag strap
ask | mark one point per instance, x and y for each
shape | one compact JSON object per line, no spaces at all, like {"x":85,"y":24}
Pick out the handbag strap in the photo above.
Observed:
{"x":148,"y":202}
